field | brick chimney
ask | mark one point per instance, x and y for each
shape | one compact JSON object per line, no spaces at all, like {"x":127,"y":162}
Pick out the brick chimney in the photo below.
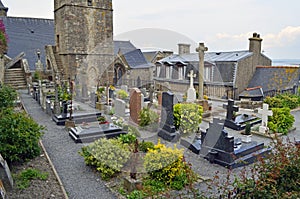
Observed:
{"x":184,"y":49}
{"x":255,"y":43}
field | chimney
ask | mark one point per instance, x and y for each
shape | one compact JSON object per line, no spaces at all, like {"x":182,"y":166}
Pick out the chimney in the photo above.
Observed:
{"x":184,"y":49}
{"x":255,"y":43}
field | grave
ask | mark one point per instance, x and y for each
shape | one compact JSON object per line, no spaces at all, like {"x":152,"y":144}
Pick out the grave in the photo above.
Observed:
{"x":135,"y":105}
{"x":93,"y":131}
{"x":218,"y":147}
{"x":78,"y":118}
{"x":192,"y":144}
{"x":238,"y":122}
{"x":120,"y":107}
{"x":191,"y":92}
{"x":167,"y":129}
{"x":5,"y":175}
{"x":265,"y":112}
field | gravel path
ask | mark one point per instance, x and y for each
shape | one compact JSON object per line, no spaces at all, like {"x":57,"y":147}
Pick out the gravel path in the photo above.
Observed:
{"x":78,"y":179}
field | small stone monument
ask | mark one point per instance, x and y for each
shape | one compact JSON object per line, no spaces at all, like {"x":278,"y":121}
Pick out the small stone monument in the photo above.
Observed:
{"x":191,"y":93}
{"x":5,"y":175}
{"x":135,"y":105}
{"x":120,"y":107}
{"x":167,"y":128}
{"x":265,"y":112}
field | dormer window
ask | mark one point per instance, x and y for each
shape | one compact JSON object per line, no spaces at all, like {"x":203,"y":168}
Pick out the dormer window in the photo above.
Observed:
{"x":90,"y":2}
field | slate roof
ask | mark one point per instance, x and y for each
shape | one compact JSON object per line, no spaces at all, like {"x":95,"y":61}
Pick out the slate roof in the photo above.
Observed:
{"x":275,"y":77}
{"x":27,"y":35}
{"x":2,"y":7}
{"x":135,"y":59}
{"x":123,"y":46}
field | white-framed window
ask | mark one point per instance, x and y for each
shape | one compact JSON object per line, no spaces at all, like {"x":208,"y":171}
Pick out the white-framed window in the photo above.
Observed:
{"x":207,"y":73}
{"x":180,"y":72}
{"x":158,"y":68}
{"x":168,"y":70}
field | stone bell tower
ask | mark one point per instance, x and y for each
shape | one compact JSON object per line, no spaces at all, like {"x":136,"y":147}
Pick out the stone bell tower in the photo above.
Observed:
{"x":84,"y":41}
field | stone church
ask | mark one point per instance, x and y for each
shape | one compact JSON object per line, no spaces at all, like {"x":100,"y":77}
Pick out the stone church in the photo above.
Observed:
{"x":83,"y":50}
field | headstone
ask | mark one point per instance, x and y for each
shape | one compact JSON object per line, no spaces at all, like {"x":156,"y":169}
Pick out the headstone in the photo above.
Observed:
{"x":125,"y":88}
{"x":238,"y":121}
{"x":218,"y":147}
{"x":85,"y":96}
{"x":135,"y":105}
{"x":48,"y":107}
{"x":93,"y":99}
{"x":40,"y":99}
{"x":120,"y":107}
{"x":265,"y":112}
{"x":5,"y":175}
{"x":167,"y":128}
{"x":191,"y":93}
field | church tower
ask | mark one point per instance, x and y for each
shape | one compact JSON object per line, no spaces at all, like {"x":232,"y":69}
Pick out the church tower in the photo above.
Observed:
{"x":84,"y":41}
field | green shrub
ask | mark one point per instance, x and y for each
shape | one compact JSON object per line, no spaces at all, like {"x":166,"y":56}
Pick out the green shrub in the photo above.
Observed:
{"x":283,"y":100}
{"x":131,"y":129}
{"x":23,"y":179}
{"x":108,"y":156}
{"x":136,"y":194}
{"x":148,"y":117}
{"x":7,"y":97}
{"x":122,"y":94}
{"x":128,"y":138}
{"x":281,"y":120}
{"x":145,"y":146}
{"x":19,"y":137}
{"x":187,"y":117}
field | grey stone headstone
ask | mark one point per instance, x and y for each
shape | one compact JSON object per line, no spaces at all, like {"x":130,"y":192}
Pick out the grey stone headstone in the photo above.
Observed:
{"x":5,"y":175}
{"x":120,"y":107}
{"x":93,"y":99}
{"x":48,"y":107}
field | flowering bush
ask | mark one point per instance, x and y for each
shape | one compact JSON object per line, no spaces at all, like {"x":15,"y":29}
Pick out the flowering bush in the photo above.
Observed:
{"x":148,"y":117}
{"x":187,"y":117}
{"x":122,"y":94}
{"x":167,"y":165}
{"x":3,"y":35}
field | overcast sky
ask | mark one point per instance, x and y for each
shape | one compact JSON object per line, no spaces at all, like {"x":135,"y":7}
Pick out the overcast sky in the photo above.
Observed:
{"x":223,"y":25}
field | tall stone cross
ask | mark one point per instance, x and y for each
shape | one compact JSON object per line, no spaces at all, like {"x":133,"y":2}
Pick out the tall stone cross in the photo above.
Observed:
{"x":201,"y":49}
{"x":265,"y":112}
{"x":191,"y":76}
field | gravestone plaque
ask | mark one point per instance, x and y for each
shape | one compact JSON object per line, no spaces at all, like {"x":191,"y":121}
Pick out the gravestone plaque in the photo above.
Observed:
{"x":135,"y":105}
{"x":5,"y":175}
{"x":120,"y":107}
{"x":167,"y":129}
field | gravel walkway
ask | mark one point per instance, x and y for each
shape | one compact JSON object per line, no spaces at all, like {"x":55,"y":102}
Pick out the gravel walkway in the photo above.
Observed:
{"x":78,"y":179}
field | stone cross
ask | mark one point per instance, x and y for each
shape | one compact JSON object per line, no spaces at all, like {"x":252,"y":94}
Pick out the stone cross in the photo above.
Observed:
{"x":191,"y":76}
{"x":201,"y":49}
{"x":265,"y":112}
{"x":230,"y":109}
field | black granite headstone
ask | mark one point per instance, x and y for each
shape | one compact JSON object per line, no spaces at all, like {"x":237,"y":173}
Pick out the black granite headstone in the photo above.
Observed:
{"x":231,"y":108}
{"x":167,"y":129}
{"x":218,"y":147}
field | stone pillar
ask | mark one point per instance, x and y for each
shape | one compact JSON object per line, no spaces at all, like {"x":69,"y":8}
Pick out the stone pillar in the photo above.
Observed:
{"x":201,"y":49}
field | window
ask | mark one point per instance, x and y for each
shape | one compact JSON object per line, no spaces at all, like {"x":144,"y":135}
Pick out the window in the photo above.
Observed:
{"x":207,"y":73}
{"x":90,"y":2}
{"x":180,"y":72}
{"x":157,"y":71}
{"x":168,"y":72}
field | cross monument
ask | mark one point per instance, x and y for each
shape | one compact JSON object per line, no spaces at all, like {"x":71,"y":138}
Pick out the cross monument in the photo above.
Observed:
{"x":265,"y":112}
{"x":191,"y":93}
{"x":201,"y":49}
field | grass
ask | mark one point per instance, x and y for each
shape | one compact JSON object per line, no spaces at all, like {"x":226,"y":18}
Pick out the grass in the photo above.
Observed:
{"x":24,"y":178}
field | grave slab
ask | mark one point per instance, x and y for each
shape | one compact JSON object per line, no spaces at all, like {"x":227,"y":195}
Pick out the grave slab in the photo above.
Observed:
{"x":78,"y":118}
{"x":94,"y":131}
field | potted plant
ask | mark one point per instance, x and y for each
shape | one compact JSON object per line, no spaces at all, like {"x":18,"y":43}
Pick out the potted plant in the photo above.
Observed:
{"x":247,"y":133}
{"x":102,"y":120}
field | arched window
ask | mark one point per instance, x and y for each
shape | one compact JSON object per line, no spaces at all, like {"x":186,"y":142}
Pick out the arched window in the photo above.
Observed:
{"x":90,"y":2}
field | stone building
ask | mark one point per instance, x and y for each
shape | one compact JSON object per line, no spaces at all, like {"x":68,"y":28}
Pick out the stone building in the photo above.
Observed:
{"x":83,"y":48}
{"x":226,"y":74}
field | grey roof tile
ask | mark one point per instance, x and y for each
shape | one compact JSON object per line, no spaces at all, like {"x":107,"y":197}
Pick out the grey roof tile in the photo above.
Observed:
{"x":123,"y":46}
{"x":136,"y":59}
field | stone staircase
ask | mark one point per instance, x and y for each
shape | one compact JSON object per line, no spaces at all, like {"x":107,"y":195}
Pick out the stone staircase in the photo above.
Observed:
{"x":15,"y":78}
